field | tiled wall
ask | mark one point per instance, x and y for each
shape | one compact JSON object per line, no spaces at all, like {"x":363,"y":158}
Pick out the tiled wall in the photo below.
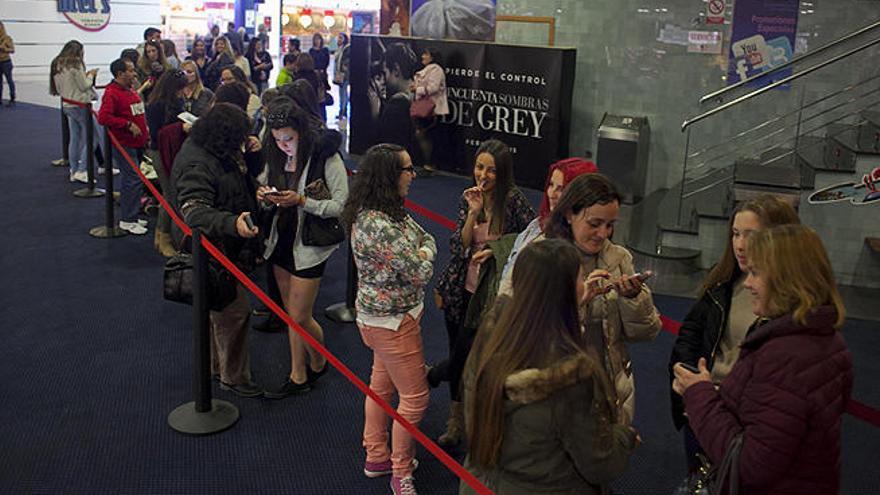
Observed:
{"x":623,"y":68}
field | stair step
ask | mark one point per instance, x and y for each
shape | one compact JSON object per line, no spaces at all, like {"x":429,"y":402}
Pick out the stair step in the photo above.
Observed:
{"x":869,"y":133}
{"x":753,"y":172}
{"x":744,"y":192}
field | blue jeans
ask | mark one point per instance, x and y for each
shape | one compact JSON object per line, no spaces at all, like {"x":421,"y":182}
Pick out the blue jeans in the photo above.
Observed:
{"x":343,"y":98}
{"x":77,"y":149}
{"x":131,"y":187}
{"x":6,"y":71}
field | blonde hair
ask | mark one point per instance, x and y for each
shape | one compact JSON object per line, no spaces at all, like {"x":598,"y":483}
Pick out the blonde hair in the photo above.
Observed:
{"x":796,"y":270}
{"x":198,"y":82}
{"x":228,"y":50}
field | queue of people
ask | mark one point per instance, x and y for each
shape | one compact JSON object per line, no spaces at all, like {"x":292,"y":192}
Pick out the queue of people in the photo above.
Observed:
{"x":540,"y":308}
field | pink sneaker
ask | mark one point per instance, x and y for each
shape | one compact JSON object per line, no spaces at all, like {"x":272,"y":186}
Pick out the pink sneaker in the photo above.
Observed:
{"x":376,"y":469}
{"x":403,"y":486}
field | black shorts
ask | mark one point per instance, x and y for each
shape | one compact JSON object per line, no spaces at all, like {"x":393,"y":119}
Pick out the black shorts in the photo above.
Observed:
{"x":282,"y":255}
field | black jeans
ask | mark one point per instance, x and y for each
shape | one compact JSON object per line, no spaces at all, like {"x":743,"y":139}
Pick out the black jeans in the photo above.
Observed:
{"x":460,"y":341}
{"x":6,"y":71}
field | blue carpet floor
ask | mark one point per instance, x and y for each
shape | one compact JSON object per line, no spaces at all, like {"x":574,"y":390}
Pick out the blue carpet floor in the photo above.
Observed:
{"x":93,"y":360}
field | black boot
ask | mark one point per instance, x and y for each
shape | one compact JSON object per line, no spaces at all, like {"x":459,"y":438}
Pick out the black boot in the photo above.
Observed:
{"x":272,"y":324}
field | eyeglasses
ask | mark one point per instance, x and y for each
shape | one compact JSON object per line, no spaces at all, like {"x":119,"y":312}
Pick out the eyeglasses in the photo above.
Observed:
{"x":409,"y":169}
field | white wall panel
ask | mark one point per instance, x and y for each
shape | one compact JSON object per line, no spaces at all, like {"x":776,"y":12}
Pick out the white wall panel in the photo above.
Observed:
{"x":40,"y":31}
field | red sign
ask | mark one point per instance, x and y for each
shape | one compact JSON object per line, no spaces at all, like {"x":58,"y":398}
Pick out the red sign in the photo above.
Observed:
{"x":715,"y":11}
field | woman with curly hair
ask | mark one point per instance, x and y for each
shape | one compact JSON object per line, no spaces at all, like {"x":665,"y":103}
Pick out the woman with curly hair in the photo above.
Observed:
{"x":308,"y":186}
{"x":394,"y":258}
{"x":215,"y":194}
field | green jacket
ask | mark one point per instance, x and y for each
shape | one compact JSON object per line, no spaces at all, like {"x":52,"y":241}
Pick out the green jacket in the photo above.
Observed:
{"x":488,"y":280}
{"x":283,"y":78}
{"x":558,"y":436}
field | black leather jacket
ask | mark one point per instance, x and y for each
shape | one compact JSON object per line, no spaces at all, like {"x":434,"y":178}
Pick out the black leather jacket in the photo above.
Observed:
{"x":699,"y":336}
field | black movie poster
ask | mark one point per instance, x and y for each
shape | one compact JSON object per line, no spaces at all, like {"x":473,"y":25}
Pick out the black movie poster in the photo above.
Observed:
{"x":520,"y":95}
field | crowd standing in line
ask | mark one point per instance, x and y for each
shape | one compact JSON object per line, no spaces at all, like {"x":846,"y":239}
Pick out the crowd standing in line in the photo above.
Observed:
{"x":542,"y":387}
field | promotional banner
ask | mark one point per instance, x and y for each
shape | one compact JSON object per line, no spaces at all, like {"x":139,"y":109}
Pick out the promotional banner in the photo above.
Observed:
{"x":763,"y":37}
{"x":454,"y":19}
{"x":394,"y":17}
{"x":520,"y":95}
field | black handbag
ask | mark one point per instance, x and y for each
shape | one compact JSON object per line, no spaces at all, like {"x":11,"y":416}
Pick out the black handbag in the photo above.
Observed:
{"x":179,"y":282}
{"x":317,"y":231}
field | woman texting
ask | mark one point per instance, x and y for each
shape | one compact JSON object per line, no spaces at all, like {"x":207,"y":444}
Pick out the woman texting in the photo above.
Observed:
{"x":430,"y":83}
{"x":586,"y":215}
{"x":540,"y":409}
{"x":71,"y":81}
{"x":715,"y":327}
{"x":494,"y":206}
{"x":394,"y":258}
{"x":307,"y":182}
{"x":787,"y":391}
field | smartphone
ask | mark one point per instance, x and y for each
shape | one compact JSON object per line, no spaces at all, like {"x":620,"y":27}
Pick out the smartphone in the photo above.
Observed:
{"x":645,"y":275}
{"x":249,"y":222}
{"x":274,"y":193}
{"x":689,"y":367}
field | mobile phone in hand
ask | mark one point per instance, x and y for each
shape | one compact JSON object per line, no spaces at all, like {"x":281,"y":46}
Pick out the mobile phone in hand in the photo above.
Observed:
{"x":273,"y":192}
{"x":689,"y":367}
{"x":249,"y":222}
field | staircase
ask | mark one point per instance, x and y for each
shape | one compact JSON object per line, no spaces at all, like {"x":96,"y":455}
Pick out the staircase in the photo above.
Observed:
{"x":786,"y":138}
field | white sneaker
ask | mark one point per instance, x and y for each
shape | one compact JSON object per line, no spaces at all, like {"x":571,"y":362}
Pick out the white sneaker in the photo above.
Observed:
{"x":142,"y":222}
{"x":101,"y":171}
{"x":133,"y":228}
{"x":81,"y":176}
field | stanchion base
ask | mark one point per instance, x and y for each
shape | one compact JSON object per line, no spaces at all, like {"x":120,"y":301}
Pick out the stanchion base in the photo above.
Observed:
{"x":340,"y":313}
{"x":88,"y":192}
{"x":185,"y":419}
{"x":102,"y":232}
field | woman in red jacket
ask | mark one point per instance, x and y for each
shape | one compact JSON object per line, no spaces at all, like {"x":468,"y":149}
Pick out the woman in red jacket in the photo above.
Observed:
{"x":787,"y":392}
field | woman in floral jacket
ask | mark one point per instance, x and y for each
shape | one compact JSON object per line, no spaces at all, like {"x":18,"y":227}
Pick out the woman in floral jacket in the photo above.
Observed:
{"x":494,"y":206}
{"x":394,"y":258}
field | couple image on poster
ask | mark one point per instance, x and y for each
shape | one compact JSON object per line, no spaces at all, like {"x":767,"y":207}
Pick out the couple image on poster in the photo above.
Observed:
{"x":440,"y":19}
{"x":398,"y":79}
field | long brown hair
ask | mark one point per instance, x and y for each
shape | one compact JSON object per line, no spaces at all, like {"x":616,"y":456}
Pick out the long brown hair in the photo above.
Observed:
{"x":771,"y":211}
{"x":531,"y":330}
{"x":144,"y":62}
{"x":70,"y":53}
{"x":583,"y":192}
{"x":796,"y":270}
{"x":500,"y":153}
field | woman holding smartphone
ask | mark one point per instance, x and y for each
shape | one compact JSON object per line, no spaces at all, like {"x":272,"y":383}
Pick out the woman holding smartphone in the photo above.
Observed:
{"x":586,"y":215}
{"x":716,"y":325}
{"x":307,"y":182}
{"x":786,"y":394}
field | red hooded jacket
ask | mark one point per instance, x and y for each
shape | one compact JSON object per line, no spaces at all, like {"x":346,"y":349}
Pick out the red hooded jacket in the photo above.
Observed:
{"x":119,"y":107}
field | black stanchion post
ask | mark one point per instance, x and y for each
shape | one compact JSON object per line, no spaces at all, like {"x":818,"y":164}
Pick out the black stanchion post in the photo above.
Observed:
{"x":344,"y":312}
{"x":109,"y":229}
{"x":65,"y":141}
{"x":204,"y":415}
{"x":91,"y":191}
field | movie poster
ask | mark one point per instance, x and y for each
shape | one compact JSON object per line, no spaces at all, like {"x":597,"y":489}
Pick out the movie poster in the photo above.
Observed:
{"x":518,"y":94}
{"x":763,"y":37}
{"x":454,"y":19}
{"x":394,"y":17}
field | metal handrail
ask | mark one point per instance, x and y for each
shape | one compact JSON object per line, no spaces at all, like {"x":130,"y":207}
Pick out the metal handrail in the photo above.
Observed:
{"x":791,"y":62}
{"x":851,"y":87}
{"x":810,"y":131}
{"x":687,"y":123}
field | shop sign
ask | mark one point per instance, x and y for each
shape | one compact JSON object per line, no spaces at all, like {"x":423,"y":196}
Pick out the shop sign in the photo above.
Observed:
{"x":85,"y":14}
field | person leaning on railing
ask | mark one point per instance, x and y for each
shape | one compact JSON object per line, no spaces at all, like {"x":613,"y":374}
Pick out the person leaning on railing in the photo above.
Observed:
{"x":786,"y":394}
{"x":215,"y":194}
